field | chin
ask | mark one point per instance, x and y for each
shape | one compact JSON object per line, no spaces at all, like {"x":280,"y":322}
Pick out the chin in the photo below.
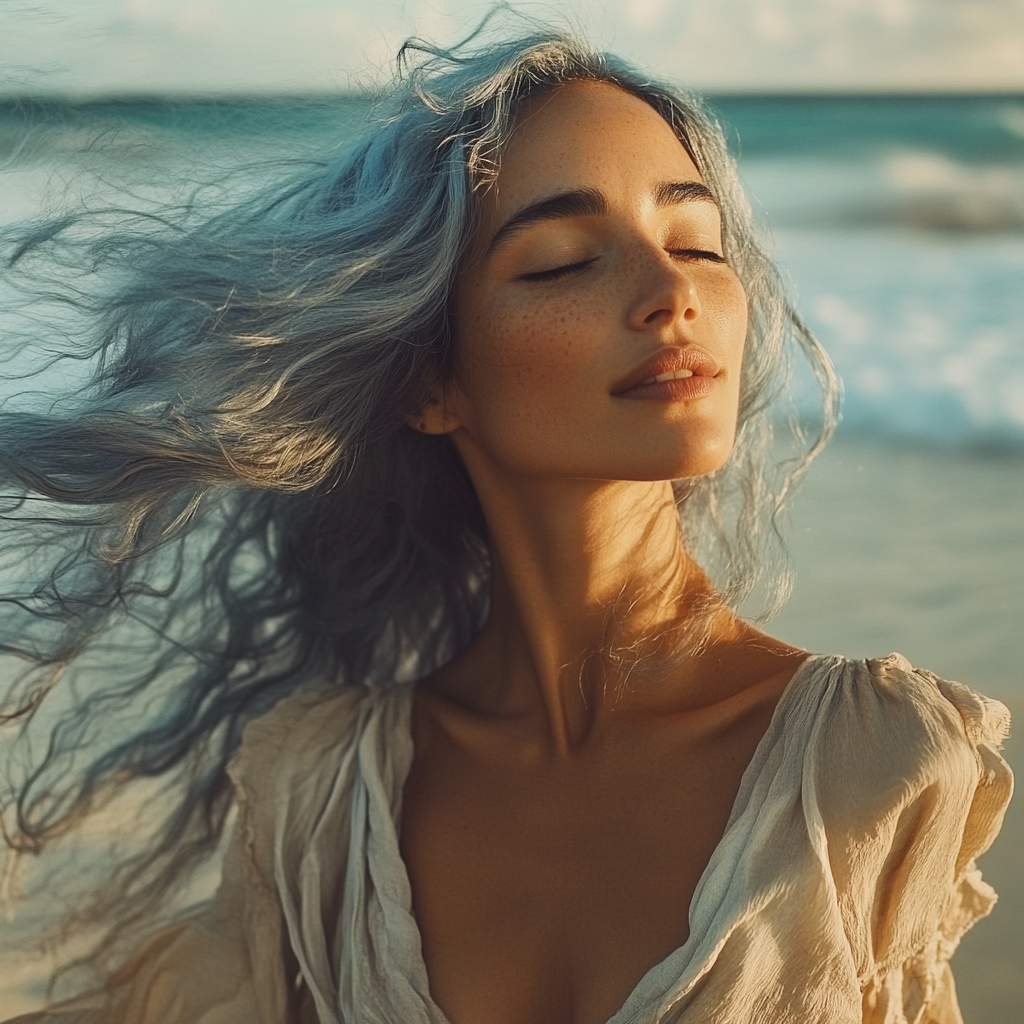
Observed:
{"x":694,"y":460}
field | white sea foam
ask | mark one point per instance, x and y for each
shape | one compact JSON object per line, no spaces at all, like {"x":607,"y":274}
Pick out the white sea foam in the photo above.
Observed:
{"x":901,"y":188}
{"x":927,"y":332}
{"x":909,"y":264}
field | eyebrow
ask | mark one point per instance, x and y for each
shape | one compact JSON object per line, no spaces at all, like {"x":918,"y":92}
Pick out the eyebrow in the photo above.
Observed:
{"x":589,"y":202}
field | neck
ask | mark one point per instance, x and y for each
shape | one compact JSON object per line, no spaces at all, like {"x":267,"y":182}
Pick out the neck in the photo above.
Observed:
{"x":578,"y":567}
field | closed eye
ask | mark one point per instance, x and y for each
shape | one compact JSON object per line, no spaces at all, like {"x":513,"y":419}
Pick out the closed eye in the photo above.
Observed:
{"x":557,"y":272}
{"x":697,"y":254}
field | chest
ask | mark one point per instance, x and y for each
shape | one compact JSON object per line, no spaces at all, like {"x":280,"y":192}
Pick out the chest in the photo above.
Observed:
{"x":544,"y":895}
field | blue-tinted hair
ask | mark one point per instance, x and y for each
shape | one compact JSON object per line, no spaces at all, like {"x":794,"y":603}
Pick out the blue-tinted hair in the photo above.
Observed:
{"x":233,"y":508}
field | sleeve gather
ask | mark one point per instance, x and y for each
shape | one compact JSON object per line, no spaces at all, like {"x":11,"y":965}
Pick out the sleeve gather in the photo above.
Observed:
{"x":227,"y":963}
{"x":941,"y":893}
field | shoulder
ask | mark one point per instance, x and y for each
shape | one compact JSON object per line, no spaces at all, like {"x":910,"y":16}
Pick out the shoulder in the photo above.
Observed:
{"x":898,"y":730}
{"x":907,"y":786}
{"x":299,"y":727}
{"x":286,"y":768}
{"x":969,"y":716}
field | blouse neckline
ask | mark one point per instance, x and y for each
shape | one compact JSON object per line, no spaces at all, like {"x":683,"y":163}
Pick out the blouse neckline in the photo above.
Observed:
{"x":671,"y":977}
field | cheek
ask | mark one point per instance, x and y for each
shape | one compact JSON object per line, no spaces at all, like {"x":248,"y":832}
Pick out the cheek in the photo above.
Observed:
{"x":726,"y":310}
{"x":521,"y":353}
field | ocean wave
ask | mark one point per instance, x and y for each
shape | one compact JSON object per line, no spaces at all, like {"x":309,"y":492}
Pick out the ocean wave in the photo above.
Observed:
{"x":900,"y":189}
{"x":927,"y":333}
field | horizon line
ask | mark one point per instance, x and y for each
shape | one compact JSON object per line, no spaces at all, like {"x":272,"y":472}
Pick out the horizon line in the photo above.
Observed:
{"x":83,"y":97}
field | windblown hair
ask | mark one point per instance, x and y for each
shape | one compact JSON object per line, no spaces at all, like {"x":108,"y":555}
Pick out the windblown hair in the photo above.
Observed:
{"x":234,"y":508}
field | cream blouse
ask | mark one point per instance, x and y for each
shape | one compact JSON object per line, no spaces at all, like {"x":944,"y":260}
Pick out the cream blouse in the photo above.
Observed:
{"x":841,"y":887}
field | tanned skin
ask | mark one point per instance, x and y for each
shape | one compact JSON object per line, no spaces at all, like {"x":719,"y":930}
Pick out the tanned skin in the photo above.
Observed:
{"x":560,"y":810}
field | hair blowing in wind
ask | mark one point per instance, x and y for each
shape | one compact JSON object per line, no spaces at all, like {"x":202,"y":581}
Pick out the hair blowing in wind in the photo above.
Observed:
{"x":232,"y":506}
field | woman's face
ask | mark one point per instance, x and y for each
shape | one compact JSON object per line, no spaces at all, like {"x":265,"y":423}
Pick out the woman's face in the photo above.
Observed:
{"x":598,"y":331}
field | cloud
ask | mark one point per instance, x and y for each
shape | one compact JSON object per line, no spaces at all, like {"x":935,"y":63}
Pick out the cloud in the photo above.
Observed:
{"x":267,"y":45}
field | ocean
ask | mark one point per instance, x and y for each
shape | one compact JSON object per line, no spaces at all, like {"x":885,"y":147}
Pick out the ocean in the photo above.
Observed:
{"x":899,"y":221}
{"x":899,"y":224}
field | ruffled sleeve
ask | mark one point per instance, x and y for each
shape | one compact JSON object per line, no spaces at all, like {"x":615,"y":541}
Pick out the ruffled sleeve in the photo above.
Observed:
{"x":231,"y":962}
{"x":903,"y":845}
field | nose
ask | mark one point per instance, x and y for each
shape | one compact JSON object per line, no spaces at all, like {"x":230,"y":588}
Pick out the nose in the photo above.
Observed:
{"x":665,"y":294}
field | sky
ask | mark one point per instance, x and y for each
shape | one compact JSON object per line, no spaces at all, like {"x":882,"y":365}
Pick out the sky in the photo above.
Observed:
{"x":96,"y":47}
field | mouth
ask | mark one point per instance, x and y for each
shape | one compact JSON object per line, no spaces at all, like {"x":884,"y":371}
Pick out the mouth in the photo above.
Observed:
{"x":662,"y":377}
{"x":674,"y":372}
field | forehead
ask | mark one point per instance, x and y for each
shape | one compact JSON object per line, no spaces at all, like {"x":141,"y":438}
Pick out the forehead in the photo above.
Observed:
{"x":586,"y":135}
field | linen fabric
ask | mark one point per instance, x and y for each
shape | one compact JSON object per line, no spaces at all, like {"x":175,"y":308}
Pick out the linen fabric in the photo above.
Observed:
{"x":843,"y":882}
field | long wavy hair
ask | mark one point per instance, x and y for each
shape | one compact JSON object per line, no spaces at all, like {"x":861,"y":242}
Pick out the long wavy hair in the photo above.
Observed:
{"x":233,"y":507}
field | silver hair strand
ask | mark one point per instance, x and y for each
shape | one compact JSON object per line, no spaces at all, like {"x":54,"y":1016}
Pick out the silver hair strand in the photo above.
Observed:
{"x":234,"y":508}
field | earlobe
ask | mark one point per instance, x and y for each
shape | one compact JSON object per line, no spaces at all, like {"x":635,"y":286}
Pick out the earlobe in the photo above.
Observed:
{"x":436,"y":416}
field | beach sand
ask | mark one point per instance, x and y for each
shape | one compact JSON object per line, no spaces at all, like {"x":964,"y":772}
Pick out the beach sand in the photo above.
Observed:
{"x":921,"y":551}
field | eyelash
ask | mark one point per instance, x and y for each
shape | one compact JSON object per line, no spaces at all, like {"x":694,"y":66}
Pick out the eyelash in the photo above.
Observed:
{"x":556,"y":273}
{"x":700,"y":254}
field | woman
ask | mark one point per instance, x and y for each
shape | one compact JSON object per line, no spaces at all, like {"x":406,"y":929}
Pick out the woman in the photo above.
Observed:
{"x":393,"y":463}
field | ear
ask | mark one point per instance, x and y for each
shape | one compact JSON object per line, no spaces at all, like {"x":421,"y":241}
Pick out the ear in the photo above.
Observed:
{"x":437,"y":415}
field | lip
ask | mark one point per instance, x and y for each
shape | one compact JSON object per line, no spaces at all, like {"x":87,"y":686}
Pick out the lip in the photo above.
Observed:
{"x":703,"y":368}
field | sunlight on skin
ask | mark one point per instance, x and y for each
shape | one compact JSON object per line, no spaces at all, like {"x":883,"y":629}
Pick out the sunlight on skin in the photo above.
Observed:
{"x":599,"y":338}
{"x":599,"y":341}
{"x":552,"y":321}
